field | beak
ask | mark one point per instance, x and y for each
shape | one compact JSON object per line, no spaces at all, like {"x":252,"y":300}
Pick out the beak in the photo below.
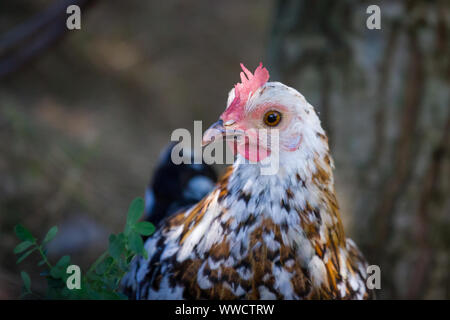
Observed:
{"x":217,"y":131}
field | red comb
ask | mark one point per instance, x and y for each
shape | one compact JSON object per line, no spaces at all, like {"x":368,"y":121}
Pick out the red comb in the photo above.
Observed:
{"x":250,"y":82}
{"x":242,"y":91}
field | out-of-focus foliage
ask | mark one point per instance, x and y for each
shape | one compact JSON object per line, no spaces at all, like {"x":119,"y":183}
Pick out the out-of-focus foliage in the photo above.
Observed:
{"x":103,"y":278}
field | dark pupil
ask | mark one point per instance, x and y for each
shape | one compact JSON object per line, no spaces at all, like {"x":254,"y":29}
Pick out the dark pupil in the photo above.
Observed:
{"x":271,"y":118}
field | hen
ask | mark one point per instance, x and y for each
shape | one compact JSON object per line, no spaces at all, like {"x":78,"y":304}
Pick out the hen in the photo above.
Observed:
{"x":258,"y":236}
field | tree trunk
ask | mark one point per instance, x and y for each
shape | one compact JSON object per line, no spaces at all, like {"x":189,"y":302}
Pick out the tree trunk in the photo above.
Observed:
{"x":383,"y":98}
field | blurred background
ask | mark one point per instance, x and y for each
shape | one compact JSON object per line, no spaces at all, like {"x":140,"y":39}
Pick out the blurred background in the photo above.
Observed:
{"x":84,"y":115}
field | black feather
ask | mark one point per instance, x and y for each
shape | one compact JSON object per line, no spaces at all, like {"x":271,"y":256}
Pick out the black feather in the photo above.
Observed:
{"x":175,"y":187}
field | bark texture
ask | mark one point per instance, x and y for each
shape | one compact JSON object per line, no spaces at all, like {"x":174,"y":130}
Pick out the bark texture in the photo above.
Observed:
{"x":383,"y":97}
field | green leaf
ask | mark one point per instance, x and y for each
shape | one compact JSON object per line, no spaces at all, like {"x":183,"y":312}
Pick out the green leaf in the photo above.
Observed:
{"x":26,"y":254}
{"x":145,"y":228}
{"x":116,"y":246}
{"x":24,"y":234}
{"x":50,"y":235}
{"x":92,"y":278}
{"x":135,"y":211}
{"x":123,"y":265}
{"x":41,"y":263}
{"x":22,"y":246}
{"x":26,"y":280}
{"x":135,"y":243}
{"x":57,"y":272}
{"x":127,"y":230}
{"x":112,"y":238}
{"x":63,"y":262}
{"x":104,"y":265}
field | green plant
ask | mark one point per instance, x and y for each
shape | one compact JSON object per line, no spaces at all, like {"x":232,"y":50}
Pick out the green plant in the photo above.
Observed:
{"x":103,"y":278}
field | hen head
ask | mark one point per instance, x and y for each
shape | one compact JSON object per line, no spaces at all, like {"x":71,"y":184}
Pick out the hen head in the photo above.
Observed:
{"x":261,"y":113}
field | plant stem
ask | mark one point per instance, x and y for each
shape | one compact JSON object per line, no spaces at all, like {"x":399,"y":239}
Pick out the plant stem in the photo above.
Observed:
{"x":44,"y":257}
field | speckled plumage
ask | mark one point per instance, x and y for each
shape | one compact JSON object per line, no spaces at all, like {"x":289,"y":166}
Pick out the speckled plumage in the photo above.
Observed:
{"x":259,"y":236}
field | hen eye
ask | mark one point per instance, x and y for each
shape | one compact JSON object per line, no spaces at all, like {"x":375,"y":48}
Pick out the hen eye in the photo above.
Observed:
{"x":272,"y":118}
